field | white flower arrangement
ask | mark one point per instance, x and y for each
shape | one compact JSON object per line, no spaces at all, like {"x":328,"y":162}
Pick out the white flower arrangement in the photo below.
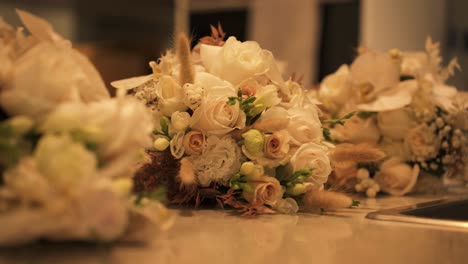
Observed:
{"x":405,"y":109}
{"x":67,"y":150}
{"x":230,"y":129}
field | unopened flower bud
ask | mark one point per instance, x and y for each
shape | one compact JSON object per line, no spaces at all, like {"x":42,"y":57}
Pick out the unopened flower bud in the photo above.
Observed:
{"x":296,"y":190}
{"x":254,"y":141}
{"x":161,"y":144}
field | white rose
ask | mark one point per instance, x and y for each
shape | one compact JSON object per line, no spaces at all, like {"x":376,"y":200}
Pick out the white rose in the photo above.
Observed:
{"x":395,"y":124}
{"x":170,"y":95}
{"x":304,"y":125}
{"x":236,"y":61}
{"x":64,"y":162}
{"x":335,"y":90}
{"x":396,"y":178}
{"x":357,"y":130}
{"x":180,"y":120}
{"x":47,"y":75}
{"x":312,"y":156}
{"x":216,"y":116}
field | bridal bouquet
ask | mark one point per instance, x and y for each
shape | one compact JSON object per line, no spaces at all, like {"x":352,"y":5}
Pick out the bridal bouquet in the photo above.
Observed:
{"x":229,"y":129}
{"x":405,"y":114}
{"x":67,"y":150}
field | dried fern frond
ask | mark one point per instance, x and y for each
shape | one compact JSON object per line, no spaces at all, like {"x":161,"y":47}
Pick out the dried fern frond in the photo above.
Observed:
{"x":216,"y":38}
{"x":359,"y":153}
{"x":186,"y":74}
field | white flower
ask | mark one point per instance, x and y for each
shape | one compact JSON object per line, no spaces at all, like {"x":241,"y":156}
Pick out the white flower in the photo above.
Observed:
{"x":214,"y":85}
{"x":220,"y":160}
{"x":170,"y":95}
{"x":395,"y":124}
{"x":396,"y":178}
{"x":421,"y":143}
{"x":63,"y":162}
{"x":304,"y":125}
{"x":335,"y":90}
{"x":236,"y":61}
{"x":395,"y":148}
{"x":312,"y":156}
{"x":414,"y":63}
{"x":273,"y":119}
{"x":378,"y":70}
{"x":177,"y":145}
{"x":357,"y":130}
{"x":119,"y":126}
{"x":180,"y":120}
{"x":267,"y":97}
{"x":46,"y":72}
{"x":193,"y":95}
{"x":216,"y":116}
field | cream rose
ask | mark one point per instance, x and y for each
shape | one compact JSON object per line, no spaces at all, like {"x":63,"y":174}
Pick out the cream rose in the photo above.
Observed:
{"x":335,"y":89}
{"x":396,"y":178}
{"x":312,"y":156}
{"x":236,"y":61}
{"x":275,"y":150}
{"x":273,"y":119}
{"x":267,"y":190}
{"x":194,"y":142}
{"x":304,"y":126}
{"x":421,"y":143}
{"x":215,"y":116}
{"x":170,"y":96}
{"x":357,"y":130}
{"x":395,"y":124}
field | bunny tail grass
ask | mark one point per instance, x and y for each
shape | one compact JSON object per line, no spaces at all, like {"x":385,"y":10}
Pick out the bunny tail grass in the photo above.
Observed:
{"x":326,"y":200}
{"x":360,"y":153}
{"x":186,"y":172}
{"x":186,"y":74}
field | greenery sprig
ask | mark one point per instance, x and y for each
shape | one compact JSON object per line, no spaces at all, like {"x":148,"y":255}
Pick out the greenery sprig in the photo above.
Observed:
{"x":247,"y":105}
{"x":164,"y":128}
{"x":333,"y":122}
{"x":159,"y":194}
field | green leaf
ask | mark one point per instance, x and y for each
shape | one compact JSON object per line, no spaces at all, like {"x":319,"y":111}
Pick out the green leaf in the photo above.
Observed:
{"x":159,"y":194}
{"x":355,"y":203}
{"x":339,"y":121}
{"x":239,"y":93}
{"x":164,"y":126}
{"x":249,"y":100}
{"x":365,"y":115}
{"x":327,"y":134}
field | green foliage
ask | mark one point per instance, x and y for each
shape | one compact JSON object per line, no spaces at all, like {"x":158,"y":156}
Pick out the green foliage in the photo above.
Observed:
{"x":338,"y":121}
{"x":296,"y":177}
{"x":164,"y":128}
{"x":13,"y":145}
{"x":159,"y":194}
{"x":246,"y":105}
{"x":365,"y":115}
{"x":355,"y":203}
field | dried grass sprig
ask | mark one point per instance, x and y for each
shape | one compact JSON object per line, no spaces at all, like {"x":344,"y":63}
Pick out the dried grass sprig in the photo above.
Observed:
{"x":359,"y":153}
{"x":187,"y":73}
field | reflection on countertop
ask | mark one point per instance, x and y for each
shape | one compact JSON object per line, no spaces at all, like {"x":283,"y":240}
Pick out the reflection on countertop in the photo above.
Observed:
{"x":208,"y":236}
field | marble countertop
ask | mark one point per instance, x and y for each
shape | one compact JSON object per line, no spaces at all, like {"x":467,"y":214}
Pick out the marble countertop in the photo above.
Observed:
{"x":209,"y":236}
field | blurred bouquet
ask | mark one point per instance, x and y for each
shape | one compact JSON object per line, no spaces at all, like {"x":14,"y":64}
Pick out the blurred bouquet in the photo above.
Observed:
{"x":230,"y":129}
{"x":67,"y":150}
{"x":409,"y":127}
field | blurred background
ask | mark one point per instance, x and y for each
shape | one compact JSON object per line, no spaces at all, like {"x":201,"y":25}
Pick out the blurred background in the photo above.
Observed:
{"x":314,"y":36}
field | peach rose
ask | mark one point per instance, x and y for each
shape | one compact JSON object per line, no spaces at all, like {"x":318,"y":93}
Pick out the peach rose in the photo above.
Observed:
{"x":397,"y":178}
{"x":267,"y":190}
{"x":194,"y":142}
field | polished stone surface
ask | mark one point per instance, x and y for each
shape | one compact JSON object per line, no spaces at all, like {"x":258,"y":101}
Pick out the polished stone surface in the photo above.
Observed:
{"x":208,"y":236}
